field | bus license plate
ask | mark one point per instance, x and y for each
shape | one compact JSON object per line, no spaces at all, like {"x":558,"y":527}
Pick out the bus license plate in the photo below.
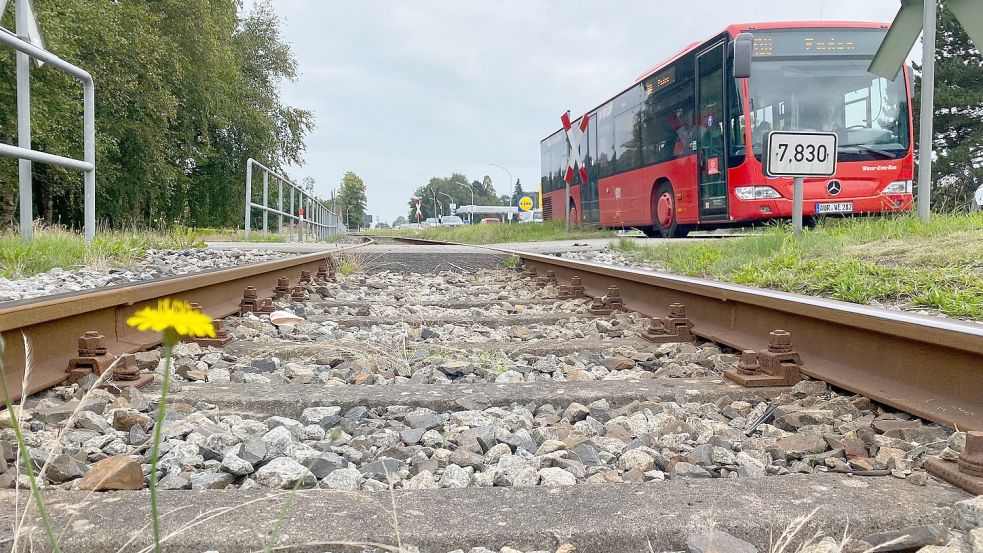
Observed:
{"x":842,"y":207}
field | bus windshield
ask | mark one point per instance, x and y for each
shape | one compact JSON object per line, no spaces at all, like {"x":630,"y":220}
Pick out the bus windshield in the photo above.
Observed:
{"x":830,"y":94}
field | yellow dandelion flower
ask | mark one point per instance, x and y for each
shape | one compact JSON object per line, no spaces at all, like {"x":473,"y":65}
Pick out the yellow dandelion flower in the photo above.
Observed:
{"x":173,"y":316}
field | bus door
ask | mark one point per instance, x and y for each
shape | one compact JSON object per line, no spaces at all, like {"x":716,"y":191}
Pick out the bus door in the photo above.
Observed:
{"x":710,"y":147}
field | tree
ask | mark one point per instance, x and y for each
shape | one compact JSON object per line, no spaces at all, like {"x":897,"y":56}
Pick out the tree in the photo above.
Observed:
{"x":958,"y":115}
{"x":518,"y":190}
{"x":457,"y":187}
{"x":486,"y":183}
{"x":352,"y":199}
{"x":187,"y":90}
{"x":399,"y":221}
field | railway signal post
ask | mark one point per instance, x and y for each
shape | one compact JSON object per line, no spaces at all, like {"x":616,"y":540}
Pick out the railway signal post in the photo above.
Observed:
{"x":800,"y":155}
{"x":574,"y":137}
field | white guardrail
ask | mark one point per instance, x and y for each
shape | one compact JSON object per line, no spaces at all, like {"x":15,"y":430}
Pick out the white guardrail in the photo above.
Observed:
{"x":313,"y":219}
{"x":23,"y":151}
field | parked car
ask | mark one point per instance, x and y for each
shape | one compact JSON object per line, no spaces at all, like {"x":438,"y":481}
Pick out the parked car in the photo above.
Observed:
{"x":452,"y":221}
{"x":430,"y":222}
{"x":491,"y":221}
{"x":382,"y":225}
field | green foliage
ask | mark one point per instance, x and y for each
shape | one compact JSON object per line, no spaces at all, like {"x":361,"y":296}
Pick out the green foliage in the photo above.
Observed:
{"x":186,"y":91}
{"x":897,"y":260}
{"x":457,"y":187}
{"x":352,"y":199}
{"x":958,"y":117}
{"x":511,"y":262}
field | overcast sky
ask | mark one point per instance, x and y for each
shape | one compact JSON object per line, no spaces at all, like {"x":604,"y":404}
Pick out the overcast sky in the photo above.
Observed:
{"x":403,"y":91}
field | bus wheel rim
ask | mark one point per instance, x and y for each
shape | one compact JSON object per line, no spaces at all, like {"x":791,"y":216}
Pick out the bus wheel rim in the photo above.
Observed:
{"x":665,"y":209}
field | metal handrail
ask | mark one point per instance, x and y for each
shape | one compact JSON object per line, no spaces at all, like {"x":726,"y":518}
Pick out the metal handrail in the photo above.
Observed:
{"x":316,"y":216}
{"x":27,"y":155}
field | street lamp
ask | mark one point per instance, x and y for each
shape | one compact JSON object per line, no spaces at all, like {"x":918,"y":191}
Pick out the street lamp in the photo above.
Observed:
{"x":449,"y":197}
{"x":510,"y":186}
{"x":471,"y":188}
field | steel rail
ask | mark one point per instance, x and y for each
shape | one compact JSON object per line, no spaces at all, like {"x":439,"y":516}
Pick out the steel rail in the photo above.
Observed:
{"x":53,"y":324}
{"x":927,"y":366}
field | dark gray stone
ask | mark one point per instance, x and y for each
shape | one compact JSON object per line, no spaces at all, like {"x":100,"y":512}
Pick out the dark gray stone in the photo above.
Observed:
{"x":911,"y":537}
{"x":587,"y":455}
{"x":324,"y":464}
{"x":381,"y":467}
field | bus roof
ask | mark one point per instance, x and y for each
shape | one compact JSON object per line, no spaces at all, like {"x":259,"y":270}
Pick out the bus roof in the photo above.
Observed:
{"x":734,"y":30}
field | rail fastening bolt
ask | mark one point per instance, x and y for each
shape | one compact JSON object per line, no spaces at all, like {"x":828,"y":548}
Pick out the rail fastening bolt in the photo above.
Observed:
{"x":780,"y":341}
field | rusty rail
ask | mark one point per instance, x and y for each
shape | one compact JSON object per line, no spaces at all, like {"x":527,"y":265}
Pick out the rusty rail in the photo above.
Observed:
{"x":53,"y":324}
{"x":928,"y":366}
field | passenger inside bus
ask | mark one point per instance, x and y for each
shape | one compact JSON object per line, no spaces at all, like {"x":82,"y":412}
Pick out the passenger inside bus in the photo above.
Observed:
{"x":686,"y":135}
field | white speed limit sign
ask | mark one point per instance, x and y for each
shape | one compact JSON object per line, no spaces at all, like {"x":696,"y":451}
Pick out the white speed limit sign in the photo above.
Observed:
{"x":801,"y":154}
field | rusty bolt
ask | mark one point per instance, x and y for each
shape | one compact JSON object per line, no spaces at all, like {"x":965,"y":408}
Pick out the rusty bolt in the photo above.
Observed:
{"x":282,"y":282}
{"x":575,"y":281}
{"x":305,"y":277}
{"x":677,"y":311}
{"x":597,"y":303}
{"x":748,"y":363}
{"x":971,"y":459}
{"x":90,"y":344}
{"x":297,"y":294}
{"x":195,"y":305}
{"x":780,"y":341}
{"x":614,"y":291}
{"x":249,"y":292}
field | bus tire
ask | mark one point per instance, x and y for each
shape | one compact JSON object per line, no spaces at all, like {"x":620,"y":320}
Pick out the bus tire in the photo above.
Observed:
{"x":664,"y":213}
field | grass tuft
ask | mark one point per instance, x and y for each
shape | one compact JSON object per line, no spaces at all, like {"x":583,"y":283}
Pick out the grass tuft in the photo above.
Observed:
{"x":26,"y":459}
{"x":58,"y":247}
{"x":504,"y":233}
{"x":898,"y":260}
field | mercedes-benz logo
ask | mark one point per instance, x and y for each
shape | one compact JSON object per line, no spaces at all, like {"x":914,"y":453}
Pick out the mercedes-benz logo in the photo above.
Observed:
{"x":834,"y":187}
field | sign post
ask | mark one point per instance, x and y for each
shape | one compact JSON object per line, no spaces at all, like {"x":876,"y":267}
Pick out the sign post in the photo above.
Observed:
{"x":799,"y":155}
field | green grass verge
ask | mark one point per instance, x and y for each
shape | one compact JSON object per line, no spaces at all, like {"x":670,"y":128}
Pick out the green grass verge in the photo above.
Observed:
{"x":502,"y":233}
{"x":230,"y":235}
{"x":56,"y":247}
{"x":894,"y":260}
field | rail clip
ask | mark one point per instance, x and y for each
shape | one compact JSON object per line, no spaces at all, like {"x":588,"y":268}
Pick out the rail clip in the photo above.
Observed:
{"x":674,"y":328}
{"x":252,"y":304}
{"x":967,"y":471}
{"x":609,"y":303}
{"x":776,"y":366}
{"x":573,"y":290}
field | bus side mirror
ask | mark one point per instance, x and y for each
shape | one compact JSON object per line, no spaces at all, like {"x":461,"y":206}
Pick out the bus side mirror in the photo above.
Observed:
{"x":742,"y":55}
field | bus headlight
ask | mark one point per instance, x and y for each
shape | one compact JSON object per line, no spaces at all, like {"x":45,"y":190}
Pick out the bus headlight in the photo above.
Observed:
{"x":898,"y":187}
{"x":757,"y":193}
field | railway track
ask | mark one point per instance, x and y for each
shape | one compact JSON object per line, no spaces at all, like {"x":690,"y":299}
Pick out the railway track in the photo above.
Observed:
{"x":497,"y":408}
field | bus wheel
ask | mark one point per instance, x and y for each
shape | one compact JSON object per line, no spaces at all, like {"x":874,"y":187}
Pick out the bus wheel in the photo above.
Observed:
{"x":664,"y":213}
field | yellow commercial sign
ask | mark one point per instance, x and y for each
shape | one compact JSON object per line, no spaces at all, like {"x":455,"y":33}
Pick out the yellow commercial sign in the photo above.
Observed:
{"x":525,"y":203}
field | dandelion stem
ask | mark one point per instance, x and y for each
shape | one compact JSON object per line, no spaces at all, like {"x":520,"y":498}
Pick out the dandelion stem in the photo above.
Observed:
{"x":170,"y":338}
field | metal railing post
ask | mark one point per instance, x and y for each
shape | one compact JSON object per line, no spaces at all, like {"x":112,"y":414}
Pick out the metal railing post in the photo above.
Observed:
{"x":279,"y":207}
{"x":89,"y":155}
{"x":249,"y":194}
{"x":24,"y":123}
{"x":293,"y":214}
{"x":266,"y":201}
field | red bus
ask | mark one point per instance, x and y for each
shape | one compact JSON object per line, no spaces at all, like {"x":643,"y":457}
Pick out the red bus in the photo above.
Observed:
{"x":681,"y":148}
